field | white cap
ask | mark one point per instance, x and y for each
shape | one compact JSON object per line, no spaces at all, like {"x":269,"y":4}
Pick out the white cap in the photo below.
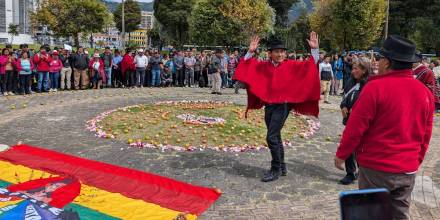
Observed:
{"x":96,"y":55}
{"x":141,"y":50}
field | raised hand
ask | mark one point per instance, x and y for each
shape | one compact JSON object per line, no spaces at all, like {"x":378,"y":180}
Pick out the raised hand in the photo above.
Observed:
{"x":314,"y":40}
{"x":255,"y":42}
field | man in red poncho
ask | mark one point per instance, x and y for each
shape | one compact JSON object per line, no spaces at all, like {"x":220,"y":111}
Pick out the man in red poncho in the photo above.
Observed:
{"x":280,"y":85}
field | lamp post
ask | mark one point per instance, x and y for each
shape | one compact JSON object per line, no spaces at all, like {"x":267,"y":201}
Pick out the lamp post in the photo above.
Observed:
{"x":387,"y":20}
{"x":123,"y":25}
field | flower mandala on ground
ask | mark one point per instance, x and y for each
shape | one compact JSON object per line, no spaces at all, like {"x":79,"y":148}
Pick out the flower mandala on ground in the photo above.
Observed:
{"x":193,"y":125}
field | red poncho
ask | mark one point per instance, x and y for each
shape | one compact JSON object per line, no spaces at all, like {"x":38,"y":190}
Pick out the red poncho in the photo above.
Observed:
{"x":293,"y":82}
{"x":127,"y":63}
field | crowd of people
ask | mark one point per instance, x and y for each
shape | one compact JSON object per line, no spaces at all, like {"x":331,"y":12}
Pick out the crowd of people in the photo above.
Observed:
{"x":26,"y":71}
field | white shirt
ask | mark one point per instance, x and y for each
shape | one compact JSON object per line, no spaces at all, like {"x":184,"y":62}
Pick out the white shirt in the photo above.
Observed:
{"x":325,"y":67}
{"x":436,"y":71}
{"x":189,"y":62}
{"x":96,"y":65}
{"x":141,"y":61}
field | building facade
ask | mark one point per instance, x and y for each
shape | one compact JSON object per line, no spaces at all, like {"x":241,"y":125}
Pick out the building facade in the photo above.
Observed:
{"x":147,"y":20}
{"x":16,"y":12}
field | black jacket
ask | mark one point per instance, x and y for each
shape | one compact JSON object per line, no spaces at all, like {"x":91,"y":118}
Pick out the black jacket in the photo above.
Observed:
{"x":350,"y":98}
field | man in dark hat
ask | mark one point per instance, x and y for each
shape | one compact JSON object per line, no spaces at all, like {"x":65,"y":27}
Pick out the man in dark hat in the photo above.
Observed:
{"x":390,"y":126}
{"x":280,"y":85}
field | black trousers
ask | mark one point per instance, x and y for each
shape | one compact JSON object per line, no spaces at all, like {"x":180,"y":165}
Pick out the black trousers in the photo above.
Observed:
{"x":350,"y":164}
{"x":275,"y":116}
{"x":181,"y":77}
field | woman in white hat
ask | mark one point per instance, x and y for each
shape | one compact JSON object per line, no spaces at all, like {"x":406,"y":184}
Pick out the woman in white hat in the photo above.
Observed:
{"x":96,"y":66}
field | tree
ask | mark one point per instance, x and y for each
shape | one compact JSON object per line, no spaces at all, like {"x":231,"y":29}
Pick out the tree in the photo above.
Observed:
{"x":173,"y":17}
{"x":216,"y":22}
{"x":132,"y":16}
{"x":13,"y":30}
{"x":353,"y":24}
{"x":282,"y":8}
{"x":69,"y":18}
{"x":418,"y":20}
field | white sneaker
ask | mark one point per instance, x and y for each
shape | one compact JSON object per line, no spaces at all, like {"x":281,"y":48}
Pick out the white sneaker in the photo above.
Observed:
{"x":5,"y":94}
{"x":55,"y":90}
{"x":50,"y":90}
{"x":11,"y":93}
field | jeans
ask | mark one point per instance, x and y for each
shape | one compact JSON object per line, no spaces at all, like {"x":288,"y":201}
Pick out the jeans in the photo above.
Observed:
{"x":54,"y":79}
{"x":275,"y":116}
{"x":155,"y":80}
{"x":140,"y":76}
{"x":24,"y":83}
{"x":189,"y":77}
{"x":43,"y":81}
{"x":108,"y":74}
{"x":224,"y":79}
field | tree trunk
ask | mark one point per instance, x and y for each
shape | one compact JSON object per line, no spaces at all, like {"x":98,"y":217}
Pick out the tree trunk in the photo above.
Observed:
{"x":76,"y":39}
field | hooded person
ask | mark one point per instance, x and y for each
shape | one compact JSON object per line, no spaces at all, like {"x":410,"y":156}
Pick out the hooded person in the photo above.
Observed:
{"x":280,"y":85}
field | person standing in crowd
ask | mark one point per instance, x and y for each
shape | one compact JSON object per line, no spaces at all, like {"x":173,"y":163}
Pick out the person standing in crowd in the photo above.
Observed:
{"x":42,"y":61}
{"x":346,"y":84}
{"x":116,"y":70}
{"x":232,"y":65}
{"x":203,"y":79}
{"x":189,"y":62}
{"x":141,"y":62}
{"x":107,"y":57}
{"x":326,"y":74}
{"x":24,"y":67}
{"x":155,"y":69}
{"x":55,"y":67}
{"x":81,"y":65}
{"x":392,"y":104}
{"x":3,"y":80}
{"x":215,"y":71}
{"x":361,"y":71}
{"x":224,"y":70}
{"x":97,"y":67}
{"x":426,"y":76}
{"x":171,"y":68}
{"x":66,"y":71}
{"x":128,"y":69}
{"x":178,"y":60}
{"x":197,"y":70}
{"x":10,"y":71}
{"x":337,"y":70}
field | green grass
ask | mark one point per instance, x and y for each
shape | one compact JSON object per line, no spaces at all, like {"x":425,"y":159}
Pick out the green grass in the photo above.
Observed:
{"x":158,"y":124}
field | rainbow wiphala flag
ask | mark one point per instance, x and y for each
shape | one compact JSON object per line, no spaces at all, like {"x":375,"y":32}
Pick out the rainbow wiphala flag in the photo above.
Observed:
{"x":41,"y":184}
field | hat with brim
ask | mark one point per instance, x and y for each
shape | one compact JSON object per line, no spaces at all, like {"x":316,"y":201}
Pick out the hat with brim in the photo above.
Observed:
{"x":275,"y":44}
{"x":399,"y":49}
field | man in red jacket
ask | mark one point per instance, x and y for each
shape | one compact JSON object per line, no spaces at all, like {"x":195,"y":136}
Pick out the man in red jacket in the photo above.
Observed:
{"x":426,"y":76}
{"x":390,"y":126}
{"x":42,"y":60}
{"x":280,"y":85}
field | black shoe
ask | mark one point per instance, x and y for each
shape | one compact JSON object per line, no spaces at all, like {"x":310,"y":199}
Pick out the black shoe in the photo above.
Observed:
{"x":348,"y":179}
{"x":272,"y":175}
{"x":283,"y":170}
{"x":213,"y":93}
{"x":326,"y":102}
{"x":218,"y":93}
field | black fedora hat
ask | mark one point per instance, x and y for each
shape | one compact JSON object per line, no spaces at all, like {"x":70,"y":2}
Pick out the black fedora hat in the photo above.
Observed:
{"x":275,"y":44}
{"x":399,"y":49}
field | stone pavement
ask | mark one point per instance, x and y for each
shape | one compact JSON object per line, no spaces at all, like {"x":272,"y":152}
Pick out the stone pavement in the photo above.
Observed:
{"x":309,"y":191}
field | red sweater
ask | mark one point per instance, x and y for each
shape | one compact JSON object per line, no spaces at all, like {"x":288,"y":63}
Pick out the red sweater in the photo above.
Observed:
{"x":42,"y":62}
{"x":390,"y":125}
